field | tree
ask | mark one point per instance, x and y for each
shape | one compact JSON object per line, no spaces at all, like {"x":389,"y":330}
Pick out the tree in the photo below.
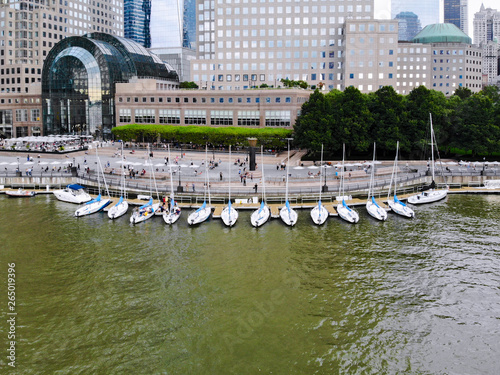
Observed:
{"x":188,"y":85}
{"x":463,"y":92}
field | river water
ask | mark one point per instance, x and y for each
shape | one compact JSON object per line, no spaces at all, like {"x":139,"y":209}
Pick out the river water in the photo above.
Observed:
{"x":95,"y":296}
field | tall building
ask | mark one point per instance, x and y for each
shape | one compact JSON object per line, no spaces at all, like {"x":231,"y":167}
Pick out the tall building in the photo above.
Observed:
{"x":173,"y":23}
{"x":137,"y":14}
{"x":246,"y":44}
{"x":487,"y":35}
{"x":408,"y":26}
{"x":426,"y":10}
{"x":456,"y":12}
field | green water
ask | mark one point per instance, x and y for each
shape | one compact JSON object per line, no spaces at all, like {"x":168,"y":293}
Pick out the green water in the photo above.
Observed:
{"x":96,"y":296}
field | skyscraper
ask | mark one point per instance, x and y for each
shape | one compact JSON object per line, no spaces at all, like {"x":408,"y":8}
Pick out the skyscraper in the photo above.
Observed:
{"x":426,"y":10}
{"x":173,"y":23}
{"x":455,"y":12}
{"x":487,"y":35}
{"x":137,"y":14}
{"x":246,"y":44}
{"x":408,"y":26}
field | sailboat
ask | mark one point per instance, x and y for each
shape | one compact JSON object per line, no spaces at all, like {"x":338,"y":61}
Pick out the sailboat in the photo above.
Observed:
{"x":371,"y":205}
{"x":344,"y":211}
{"x":288,"y":214}
{"x":97,"y":204}
{"x":146,"y":211}
{"x":429,"y":194}
{"x":229,"y":214}
{"x":120,"y":208}
{"x":395,"y":204}
{"x":204,"y":212}
{"x":260,"y":216}
{"x":173,"y":213}
{"x":319,"y":213}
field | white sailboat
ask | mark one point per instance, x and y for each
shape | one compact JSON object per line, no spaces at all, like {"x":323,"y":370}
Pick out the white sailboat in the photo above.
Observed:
{"x":73,"y":193}
{"x":146,"y":211}
{"x":121,"y":207}
{"x":287,"y":214}
{"x":204,"y":212}
{"x":229,"y":214}
{"x":429,"y":194}
{"x":319,"y":213}
{"x":173,"y":212}
{"x":371,"y":205}
{"x":97,"y":204}
{"x":344,"y":211}
{"x":261,"y":215}
{"x":395,"y":204}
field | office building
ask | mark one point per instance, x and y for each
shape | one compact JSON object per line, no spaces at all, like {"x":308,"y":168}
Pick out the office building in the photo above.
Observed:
{"x":487,"y":35}
{"x":371,"y":54}
{"x":136,"y":15}
{"x":456,"y":12}
{"x":427,"y":11}
{"x":173,"y":23}
{"x":248,"y":44}
{"x":408,"y":26}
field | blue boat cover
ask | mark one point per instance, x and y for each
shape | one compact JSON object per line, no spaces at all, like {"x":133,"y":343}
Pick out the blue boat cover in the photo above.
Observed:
{"x":374,"y":202}
{"x":396,"y":200}
{"x":150,"y":203}
{"x":75,"y":187}
{"x":202,"y":207}
{"x":261,"y":206}
{"x":345,"y":205}
{"x":119,"y":201}
{"x":229,"y":205}
{"x":287,"y":206}
{"x":172,"y":204}
{"x":96,"y":199}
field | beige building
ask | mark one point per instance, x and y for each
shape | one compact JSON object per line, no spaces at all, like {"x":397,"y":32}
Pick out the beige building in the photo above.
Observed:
{"x":242,"y":44}
{"x":21,"y":113}
{"x":414,"y":67}
{"x":371,"y":50}
{"x":148,"y":102}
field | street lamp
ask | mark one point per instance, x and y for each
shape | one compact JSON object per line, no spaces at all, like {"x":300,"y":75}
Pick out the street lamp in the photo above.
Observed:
{"x":179,"y":188}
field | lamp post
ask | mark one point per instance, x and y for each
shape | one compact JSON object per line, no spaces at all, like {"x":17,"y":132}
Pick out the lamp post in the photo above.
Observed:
{"x":180,"y":189}
{"x":253,"y":143}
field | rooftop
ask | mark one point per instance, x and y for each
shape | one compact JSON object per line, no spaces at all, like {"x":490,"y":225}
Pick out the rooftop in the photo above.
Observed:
{"x":442,"y":33}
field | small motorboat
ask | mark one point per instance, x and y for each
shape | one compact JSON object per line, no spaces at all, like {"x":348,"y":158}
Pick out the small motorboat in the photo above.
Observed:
{"x":73,"y":194}
{"x":20,"y":193}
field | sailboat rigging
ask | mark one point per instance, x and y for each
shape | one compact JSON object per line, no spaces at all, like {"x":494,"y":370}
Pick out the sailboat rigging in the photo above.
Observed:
{"x":319,"y":213}
{"x":371,"y":204}
{"x":395,"y":204}
{"x":344,"y":211}
{"x":229,"y":214}
{"x":287,"y":214}
{"x":261,"y":215}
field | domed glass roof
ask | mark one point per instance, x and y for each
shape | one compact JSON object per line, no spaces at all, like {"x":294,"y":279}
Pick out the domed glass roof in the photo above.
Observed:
{"x":442,"y":33}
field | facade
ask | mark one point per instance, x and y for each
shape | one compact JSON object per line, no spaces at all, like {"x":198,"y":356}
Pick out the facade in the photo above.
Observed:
{"x":371,"y":54}
{"x":247,"y":44}
{"x":189,"y":25}
{"x":173,"y":23}
{"x":428,"y":11}
{"x":444,"y":49}
{"x":456,"y":12}
{"x":20,"y":114}
{"x":79,"y":77}
{"x":136,"y":17}
{"x":408,"y":26}
{"x":179,"y":59}
{"x":487,"y":35}
{"x":148,"y":102}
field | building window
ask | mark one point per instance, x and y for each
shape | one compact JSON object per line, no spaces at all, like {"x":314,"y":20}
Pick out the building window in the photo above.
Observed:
{"x":195,"y":117}
{"x":145,"y":116}
{"x":249,"y":118}
{"x":125,"y":115}
{"x":221,"y":117}
{"x":35,"y":115}
{"x":278,"y":118}
{"x":169,"y":116}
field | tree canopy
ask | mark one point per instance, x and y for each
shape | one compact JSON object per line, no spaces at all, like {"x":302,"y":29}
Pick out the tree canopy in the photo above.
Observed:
{"x":466,"y":122}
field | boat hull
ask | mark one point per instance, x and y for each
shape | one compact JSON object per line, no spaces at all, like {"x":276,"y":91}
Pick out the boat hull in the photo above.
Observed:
{"x":319,"y":214}
{"x":229,"y":216}
{"x":20,"y":194}
{"x":171,"y":217}
{"x":376,"y":212}
{"x":260,"y":217}
{"x":139,"y":217}
{"x":118,"y":210}
{"x":92,"y":208}
{"x":199,"y":216}
{"x":428,"y":196}
{"x":400,"y":209}
{"x":74,"y":196}
{"x":288,"y":216}
{"x":346,"y":214}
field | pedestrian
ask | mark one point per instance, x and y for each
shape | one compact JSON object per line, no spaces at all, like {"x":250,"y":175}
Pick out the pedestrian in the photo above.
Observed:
{"x":255,"y":187}
{"x":193,"y":187}
{"x":244,"y":180}
{"x":220,"y":175}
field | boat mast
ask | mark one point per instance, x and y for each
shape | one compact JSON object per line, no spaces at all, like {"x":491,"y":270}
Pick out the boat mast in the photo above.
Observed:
{"x":432,"y":147}
{"x":263,"y":180}
{"x":321,"y":173}
{"x":229,"y":177}
{"x":171,"y":178}
{"x":287,"y":165}
{"x":372,"y":174}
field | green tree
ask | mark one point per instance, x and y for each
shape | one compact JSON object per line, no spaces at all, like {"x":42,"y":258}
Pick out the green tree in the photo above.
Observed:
{"x":188,"y":85}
